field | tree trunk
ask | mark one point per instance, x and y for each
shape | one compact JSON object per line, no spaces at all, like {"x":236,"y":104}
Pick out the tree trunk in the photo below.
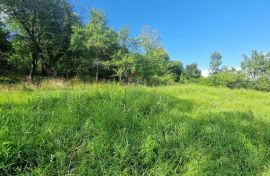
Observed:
{"x":33,"y":66}
{"x":97,"y":74}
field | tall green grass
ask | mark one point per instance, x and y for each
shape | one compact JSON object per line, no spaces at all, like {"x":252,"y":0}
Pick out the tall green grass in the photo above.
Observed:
{"x":105,"y":129}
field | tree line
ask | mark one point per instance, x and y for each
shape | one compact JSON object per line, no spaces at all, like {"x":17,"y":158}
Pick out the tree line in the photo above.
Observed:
{"x":47,"y":38}
{"x":253,"y":74}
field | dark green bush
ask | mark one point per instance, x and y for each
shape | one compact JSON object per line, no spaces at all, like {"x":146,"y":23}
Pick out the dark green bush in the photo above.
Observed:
{"x":231,"y":80}
{"x":5,"y":80}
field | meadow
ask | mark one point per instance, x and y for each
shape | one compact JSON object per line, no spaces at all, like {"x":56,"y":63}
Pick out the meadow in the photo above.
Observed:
{"x":108,"y":129}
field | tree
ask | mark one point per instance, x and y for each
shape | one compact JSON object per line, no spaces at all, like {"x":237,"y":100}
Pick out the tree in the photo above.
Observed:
{"x":258,"y":64}
{"x":227,"y":69}
{"x":123,"y":62}
{"x":215,"y":63}
{"x":40,"y":24}
{"x":154,"y":58}
{"x":5,"y":48}
{"x":127,"y":44}
{"x":58,"y":52}
{"x":176,"y":68}
{"x":192,"y":71}
{"x":149,"y":39}
{"x":97,"y":41}
{"x":5,"y":44}
{"x":20,"y":56}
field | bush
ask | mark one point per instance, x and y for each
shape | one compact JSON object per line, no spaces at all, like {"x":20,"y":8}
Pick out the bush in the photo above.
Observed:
{"x":156,"y":80}
{"x":5,"y":80}
{"x":235,"y":80}
{"x":226,"y":79}
{"x":161,"y":80}
{"x":201,"y":80}
{"x":261,"y":84}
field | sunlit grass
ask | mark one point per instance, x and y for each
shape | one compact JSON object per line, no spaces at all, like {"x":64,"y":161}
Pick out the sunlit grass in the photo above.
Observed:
{"x":66,"y":128}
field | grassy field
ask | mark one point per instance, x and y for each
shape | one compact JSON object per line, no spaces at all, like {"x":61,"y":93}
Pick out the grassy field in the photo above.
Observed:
{"x":106,"y":129}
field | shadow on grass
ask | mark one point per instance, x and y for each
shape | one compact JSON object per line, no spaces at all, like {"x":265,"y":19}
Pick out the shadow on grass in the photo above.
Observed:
{"x":134,"y":132}
{"x":224,"y":143}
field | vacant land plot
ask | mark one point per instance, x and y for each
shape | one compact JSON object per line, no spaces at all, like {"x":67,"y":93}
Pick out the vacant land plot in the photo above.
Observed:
{"x":109,"y":129}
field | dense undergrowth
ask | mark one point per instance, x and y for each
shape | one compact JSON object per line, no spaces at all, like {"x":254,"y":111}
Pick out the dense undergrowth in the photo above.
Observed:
{"x":107,"y":129}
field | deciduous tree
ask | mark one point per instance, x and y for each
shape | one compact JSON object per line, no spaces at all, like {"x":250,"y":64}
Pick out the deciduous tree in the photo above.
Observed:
{"x":41,"y":24}
{"x":97,"y":41}
{"x":192,"y":71}
{"x":258,"y":64}
{"x":215,"y":63}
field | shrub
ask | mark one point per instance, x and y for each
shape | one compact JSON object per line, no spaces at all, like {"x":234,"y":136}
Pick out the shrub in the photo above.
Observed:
{"x":236,"y":80}
{"x":202,"y":81}
{"x":227,"y":79}
{"x":261,"y":84}
{"x":5,"y":80}
{"x":161,"y":80}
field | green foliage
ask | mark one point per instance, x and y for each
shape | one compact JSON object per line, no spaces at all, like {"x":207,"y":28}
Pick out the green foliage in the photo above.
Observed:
{"x":59,"y":129}
{"x":254,"y":74}
{"x":97,"y":42}
{"x":5,"y":50}
{"x":261,"y":84}
{"x":228,"y":79}
{"x":5,"y":80}
{"x":21,"y":55}
{"x":152,"y":64}
{"x":257,"y":65}
{"x":5,"y":45}
{"x":176,"y":68}
{"x":124,"y":65}
{"x":42,"y":45}
{"x":237,"y":80}
{"x":48,"y":38}
{"x":215,"y":63}
{"x":154,"y":59}
{"x":192,"y":72}
{"x":142,"y":60}
{"x":149,"y":39}
{"x":43,"y":27}
{"x":124,"y":61}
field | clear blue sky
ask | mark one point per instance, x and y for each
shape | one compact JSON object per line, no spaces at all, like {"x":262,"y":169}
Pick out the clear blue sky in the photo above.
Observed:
{"x":192,"y":29}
